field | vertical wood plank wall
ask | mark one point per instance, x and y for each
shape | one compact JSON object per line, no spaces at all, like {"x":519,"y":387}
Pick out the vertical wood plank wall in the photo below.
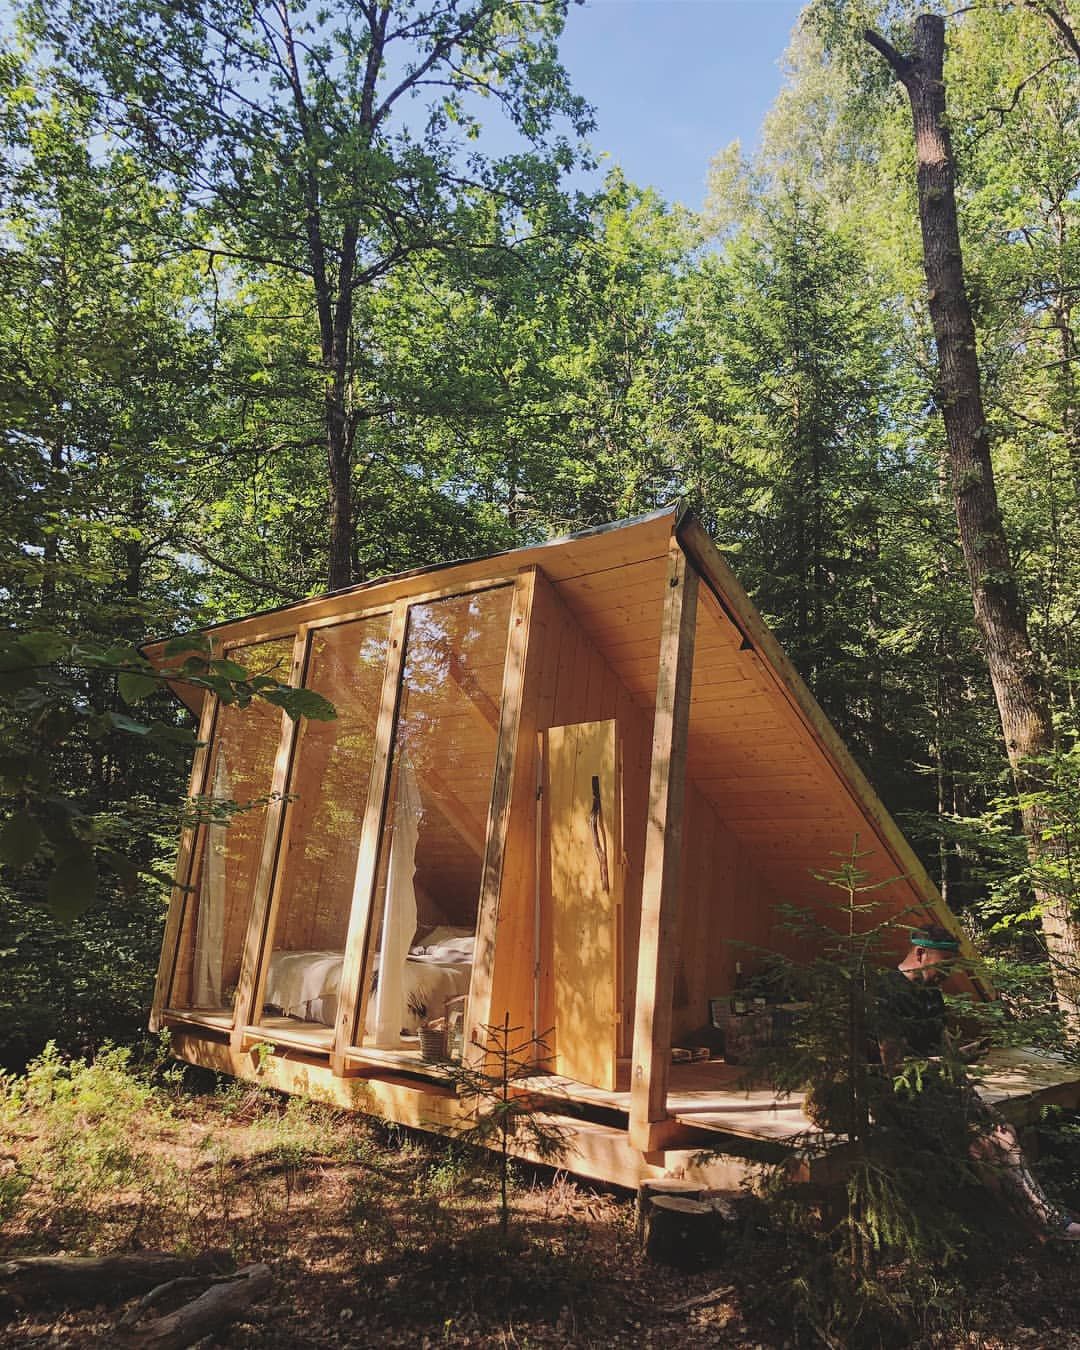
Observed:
{"x":567,"y":680}
{"x":723,"y":904}
{"x":584,"y":688}
{"x":582,"y":790}
{"x":722,"y":895}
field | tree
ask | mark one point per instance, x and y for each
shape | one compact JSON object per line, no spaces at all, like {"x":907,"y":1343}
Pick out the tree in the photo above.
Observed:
{"x":1000,"y":613}
{"x":326,"y":146}
{"x":902,"y":1199}
{"x":502,"y":1111}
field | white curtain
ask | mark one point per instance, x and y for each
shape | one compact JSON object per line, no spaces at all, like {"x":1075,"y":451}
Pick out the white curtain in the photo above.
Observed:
{"x":399,"y":912}
{"x":210,"y":924}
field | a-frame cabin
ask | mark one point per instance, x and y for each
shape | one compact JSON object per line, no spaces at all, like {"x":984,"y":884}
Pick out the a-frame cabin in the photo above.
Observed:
{"x":566,"y":783}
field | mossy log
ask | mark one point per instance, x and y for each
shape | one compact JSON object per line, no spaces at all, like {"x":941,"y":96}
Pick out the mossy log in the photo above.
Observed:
{"x":89,"y":1280}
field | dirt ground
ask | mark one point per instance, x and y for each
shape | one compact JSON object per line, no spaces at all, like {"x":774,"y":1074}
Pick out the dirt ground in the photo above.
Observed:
{"x":379,"y":1237}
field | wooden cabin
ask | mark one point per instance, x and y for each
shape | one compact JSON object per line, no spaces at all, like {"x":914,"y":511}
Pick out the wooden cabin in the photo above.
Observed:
{"x":569,"y":784}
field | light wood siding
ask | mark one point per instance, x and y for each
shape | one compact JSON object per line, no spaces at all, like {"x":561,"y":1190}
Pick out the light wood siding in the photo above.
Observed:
{"x":567,"y":680}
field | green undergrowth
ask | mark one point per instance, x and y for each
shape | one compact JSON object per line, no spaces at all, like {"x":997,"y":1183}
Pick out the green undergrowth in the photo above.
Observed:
{"x":115,"y":1152}
{"x":389,"y":1233}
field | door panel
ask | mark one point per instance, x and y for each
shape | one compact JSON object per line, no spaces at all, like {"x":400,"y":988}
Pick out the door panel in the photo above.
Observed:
{"x":585,"y":820}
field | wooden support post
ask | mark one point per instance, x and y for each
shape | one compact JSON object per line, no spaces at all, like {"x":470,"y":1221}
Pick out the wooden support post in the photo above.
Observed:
{"x":663,"y":856}
{"x":512,"y":729}
{"x":244,"y":1007}
{"x":185,"y":857}
{"x":352,"y":999}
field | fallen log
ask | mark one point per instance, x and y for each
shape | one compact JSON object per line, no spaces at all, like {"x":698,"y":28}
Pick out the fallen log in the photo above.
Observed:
{"x":225,"y":1302}
{"x":89,"y":1280}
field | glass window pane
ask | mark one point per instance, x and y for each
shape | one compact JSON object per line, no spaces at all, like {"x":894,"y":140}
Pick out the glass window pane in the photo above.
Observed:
{"x":328,"y":791}
{"x":228,"y":850}
{"x":430,"y":866}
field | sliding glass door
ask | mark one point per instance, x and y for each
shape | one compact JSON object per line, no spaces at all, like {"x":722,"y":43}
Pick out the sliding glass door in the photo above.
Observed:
{"x":422,"y":928}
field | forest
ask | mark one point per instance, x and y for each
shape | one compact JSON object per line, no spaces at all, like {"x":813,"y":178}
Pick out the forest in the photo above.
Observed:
{"x":277,"y":316}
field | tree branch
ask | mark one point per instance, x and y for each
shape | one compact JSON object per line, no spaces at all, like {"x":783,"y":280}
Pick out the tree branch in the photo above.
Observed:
{"x":1065,"y":30}
{"x":902,"y":65}
{"x":271,"y":587}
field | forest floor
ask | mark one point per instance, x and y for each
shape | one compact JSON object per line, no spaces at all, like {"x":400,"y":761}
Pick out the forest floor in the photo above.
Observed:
{"x":381,"y":1237}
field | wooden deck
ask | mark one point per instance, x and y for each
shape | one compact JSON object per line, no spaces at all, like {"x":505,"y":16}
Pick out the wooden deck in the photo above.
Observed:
{"x":699,"y":1095}
{"x":716,"y":1096}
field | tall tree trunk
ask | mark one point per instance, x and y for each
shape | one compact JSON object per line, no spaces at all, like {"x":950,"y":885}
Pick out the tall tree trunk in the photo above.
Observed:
{"x":999,"y":610}
{"x":334,"y":307}
{"x":339,"y":465}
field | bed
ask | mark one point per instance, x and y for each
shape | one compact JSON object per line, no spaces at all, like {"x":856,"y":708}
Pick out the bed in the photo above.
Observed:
{"x":305,"y":984}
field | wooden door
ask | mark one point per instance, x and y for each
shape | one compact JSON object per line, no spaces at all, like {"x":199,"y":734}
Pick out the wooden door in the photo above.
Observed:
{"x":584,"y":819}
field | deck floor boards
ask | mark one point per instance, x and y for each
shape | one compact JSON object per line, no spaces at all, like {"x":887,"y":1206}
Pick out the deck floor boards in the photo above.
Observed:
{"x":715,"y":1096}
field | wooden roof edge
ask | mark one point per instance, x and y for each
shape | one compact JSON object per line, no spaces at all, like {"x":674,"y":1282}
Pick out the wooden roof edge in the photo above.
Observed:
{"x":509,"y":559}
{"x":718,"y":575}
{"x":520,"y":555}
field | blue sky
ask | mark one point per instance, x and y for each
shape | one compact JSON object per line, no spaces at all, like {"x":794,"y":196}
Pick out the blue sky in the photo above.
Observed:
{"x":673,"y":81}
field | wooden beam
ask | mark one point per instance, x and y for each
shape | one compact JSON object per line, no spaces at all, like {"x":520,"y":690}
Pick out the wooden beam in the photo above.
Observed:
{"x":185,"y":858}
{"x":247,"y":986}
{"x":592,"y":551}
{"x":352,"y":998}
{"x":512,"y":732}
{"x":464,"y":822}
{"x":663,"y":856}
{"x":602,"y":1152}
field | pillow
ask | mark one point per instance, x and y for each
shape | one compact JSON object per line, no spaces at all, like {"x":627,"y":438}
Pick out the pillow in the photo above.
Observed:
{"x":459,"y":948}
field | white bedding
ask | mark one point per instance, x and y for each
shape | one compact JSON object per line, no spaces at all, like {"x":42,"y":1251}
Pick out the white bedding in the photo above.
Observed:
{"x":305,"y":984}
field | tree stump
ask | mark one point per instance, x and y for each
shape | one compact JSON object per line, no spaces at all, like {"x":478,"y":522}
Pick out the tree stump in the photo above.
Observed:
{"x":649,"y":1190}
{"x":682,"y":1232}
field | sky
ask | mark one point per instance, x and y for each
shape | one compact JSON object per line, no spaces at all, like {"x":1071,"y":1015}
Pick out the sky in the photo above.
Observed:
{"x":671,"y":81}
{"x":674,"y":81}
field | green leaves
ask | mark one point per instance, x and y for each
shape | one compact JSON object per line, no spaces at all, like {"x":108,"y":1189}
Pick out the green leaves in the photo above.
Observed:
{"x":187,"y":644}
{"x":45,"y":646}
{"x":134,"y":686}
{"x":17,"y":667}
{"x":299,"y":703}
{"x":44,"y":699}
{"x":72,"y":885}
{"x":20,"y":839}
